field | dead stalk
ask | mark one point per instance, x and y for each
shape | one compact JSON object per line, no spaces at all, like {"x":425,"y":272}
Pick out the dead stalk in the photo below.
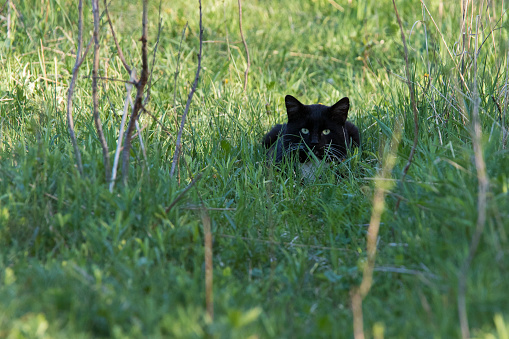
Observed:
{"x":412,"y":102}
{"x":483,"y":186}
{"x":70,"y":92}
{"x":245,"y":46}
{"x":95,"y":73}
{"x":138,"y":102}
{"x":43,"y":65}
{"x":178,"y":145}
{"x":382,"y":185}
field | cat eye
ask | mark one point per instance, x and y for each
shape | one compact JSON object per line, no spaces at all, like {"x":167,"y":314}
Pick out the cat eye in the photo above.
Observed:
{"x":326,"y":131}
{"x":304,"y":131}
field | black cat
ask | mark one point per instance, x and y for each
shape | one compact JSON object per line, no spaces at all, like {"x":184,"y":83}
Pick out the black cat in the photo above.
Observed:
{"x":319,"y":129}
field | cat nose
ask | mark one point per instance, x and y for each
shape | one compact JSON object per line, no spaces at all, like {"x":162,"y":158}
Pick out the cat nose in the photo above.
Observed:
{"x":314,"y":140}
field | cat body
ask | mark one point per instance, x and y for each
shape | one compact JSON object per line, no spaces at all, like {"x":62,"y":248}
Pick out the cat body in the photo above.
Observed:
{"x":317,"y":129}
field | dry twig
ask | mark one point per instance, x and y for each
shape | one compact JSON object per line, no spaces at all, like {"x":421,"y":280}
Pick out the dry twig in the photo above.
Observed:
{"x":178,"y":145}
{"x":505,"y":128}
{"x":119,"y":50}
{"x":70,"y":92}
{"x":280,"y":243}
{"x":149,"y":86}
{"x":95,"y":72}
{"x":3,"y":6}
{"x":176,"y":75}
{"x":138,"y":101}
{"x":188,"y":187}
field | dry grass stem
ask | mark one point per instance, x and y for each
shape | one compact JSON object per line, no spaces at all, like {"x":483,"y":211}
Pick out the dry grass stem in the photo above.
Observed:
{"x":209,"y":269}
{"x":8,"y":3}
{"x":483,"y":186}
{"x":447,"y":48}
{"x":412,"y":101}
{"x":43,"y":65}
{"x":245,"y":46}
{"x":381,"y":186}
{"x":181,"y":195}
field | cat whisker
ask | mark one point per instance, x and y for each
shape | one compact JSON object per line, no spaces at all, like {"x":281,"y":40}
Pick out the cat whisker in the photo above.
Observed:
{"x":335,"y":153}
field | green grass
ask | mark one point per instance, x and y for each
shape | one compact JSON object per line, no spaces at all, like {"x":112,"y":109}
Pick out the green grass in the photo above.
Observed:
{"x":78,"y":261}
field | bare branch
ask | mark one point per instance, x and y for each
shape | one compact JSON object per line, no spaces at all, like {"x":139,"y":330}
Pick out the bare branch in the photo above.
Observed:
{"x":158,"y":122}
{"x":504,"y":127}
{"x":147,"y":97}
{"x":3,"y":6}
{"x":280,"y":243}
{"x":131,"y":82}
{"x":412,"y":102}
{"x":138,"y":102}
{"x":245,"y":46}
{"x":95,"y":71}
{"x":177,"y":73}
{"x":70,"y":92}
{"x":190,"y":97}
{"x":86,"y":51}
{"x":119,"y":50}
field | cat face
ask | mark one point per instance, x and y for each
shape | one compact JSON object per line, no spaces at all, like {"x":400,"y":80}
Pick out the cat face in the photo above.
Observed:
{"x":318,"y":129}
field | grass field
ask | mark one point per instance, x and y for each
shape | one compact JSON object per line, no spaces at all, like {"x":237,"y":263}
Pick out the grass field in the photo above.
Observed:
{"x":77,"y":261}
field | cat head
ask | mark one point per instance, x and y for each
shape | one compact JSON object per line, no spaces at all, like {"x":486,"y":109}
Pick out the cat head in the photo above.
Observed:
{"x":317,"y":128}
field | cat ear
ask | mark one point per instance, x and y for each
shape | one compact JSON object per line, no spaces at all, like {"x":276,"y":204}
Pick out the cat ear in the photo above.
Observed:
{"x":293,"y":107}
{"x":339,"y":111}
